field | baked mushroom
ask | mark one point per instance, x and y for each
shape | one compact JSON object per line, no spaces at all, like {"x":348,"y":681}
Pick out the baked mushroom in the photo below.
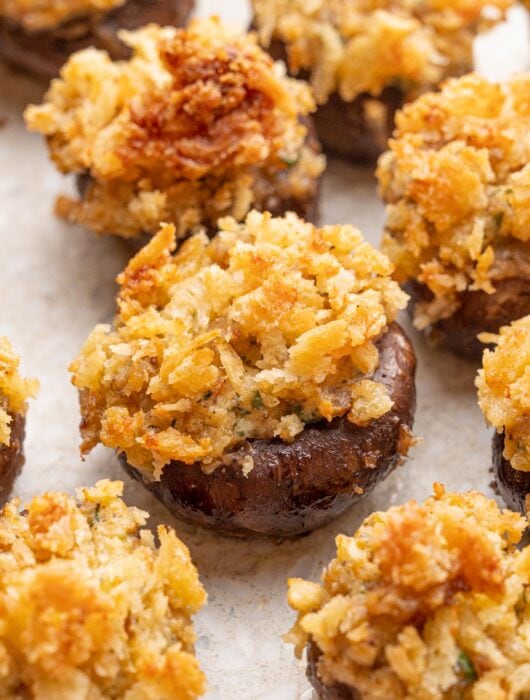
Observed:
{"x":503,"y":385}
{"x":91,"y":606}
{"x":257,"y":384}
{"x":365,"y":59}
{"x":455,"y":180}
{"x":39,"y":35}
{"x":424,"y":601}
{"x":14,"y":393}
{"x":198,"y":124}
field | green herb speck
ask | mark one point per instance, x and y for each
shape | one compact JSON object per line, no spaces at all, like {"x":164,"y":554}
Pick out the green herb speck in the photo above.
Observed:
{"x":498,"y":218}
{"x":257,"y":401}
{"x":290,"y":160}
{"x":466,"y":667}
{"x":207,"y":396}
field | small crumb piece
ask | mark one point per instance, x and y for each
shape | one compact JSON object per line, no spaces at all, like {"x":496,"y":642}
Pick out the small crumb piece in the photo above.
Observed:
{"x":14,"y":389}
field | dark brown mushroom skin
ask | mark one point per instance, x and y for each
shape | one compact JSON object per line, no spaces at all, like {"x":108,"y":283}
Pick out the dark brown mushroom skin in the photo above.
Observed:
{"x":44,"y":52}
{"x":296,"y":487}
{"x":512,"y":484}
{"x":358,"y":130}
{"x":338,"y":691}
{"x":11,"y":457}
{"x":479,"y":312}
{"x":307,"y":208}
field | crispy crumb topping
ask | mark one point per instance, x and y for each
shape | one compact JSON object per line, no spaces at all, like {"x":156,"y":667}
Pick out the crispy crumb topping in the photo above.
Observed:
{"x":363,"y":46}
{"x":14,"y":389}
{"x":503,"y":386}
{"x":424,"y":601}
{"x":268,"y":327}
{"x":42,"y":15}
{"x":90,"y":607}
{"x":198,"y":124}
{"x":456,"y":180}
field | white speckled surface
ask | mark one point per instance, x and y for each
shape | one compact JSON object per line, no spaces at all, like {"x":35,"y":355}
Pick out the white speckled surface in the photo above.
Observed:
{"x":56,"y":282}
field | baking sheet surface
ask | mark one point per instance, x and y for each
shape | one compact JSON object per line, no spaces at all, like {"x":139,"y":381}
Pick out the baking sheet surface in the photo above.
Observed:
{"x":57,"y":282}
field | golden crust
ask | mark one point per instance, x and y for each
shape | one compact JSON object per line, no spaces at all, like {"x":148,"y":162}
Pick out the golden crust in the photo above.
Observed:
{"x":90,"y":607}
{"x":269,"y":326}
{"x":424,"y":602}
{"x":503,"y":386}
{"x":363,"y":46}
{"x":14,"y":389}
{"x":456,"y":180}
{"x":193,"y":127}
{"x":39,"y":15}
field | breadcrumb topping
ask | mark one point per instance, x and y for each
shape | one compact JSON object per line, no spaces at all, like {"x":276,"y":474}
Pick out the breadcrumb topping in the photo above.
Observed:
{"x":363,"y":46}
{"x":503,"y":386}
{"x":198,"y":124}
{"x":39,"y":15}
{"x":424,"y":601}
{"x":456,"y":180}
{"x":90,"y":607}
{"x":269,"y":326}
{"x":14,"y":389}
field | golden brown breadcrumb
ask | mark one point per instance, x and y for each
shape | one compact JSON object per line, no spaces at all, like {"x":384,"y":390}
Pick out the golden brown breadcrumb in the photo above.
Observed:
{"x":14,"y":389}
{"x":456,"y":180}
{"x":363,"y":46}
{"x":90,"y":607}
{"x":503,"y":386}
{"x":198,"y":124}
{"x":39,"y":15}
{"x":269,"y":326}
{"x":424,"y":602}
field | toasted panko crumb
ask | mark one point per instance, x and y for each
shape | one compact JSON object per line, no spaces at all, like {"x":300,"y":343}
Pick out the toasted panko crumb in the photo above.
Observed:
{"x":503,"y":386}
{"x":363,"y":46}
{"x":90,"y":607}
{"x":269,"y":326}
{"x":456,"y":180}
{"x":424,"y":602}
{"x":39,"y":15}
{"x":14,"y":389}
{"x":198,"y":124}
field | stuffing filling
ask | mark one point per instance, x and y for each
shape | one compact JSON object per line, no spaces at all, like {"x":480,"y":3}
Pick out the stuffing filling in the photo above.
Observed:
{"x":43,"y":15}
{"x":198,"y":124}
{"x":363,"y":46}
{"x":456,"y":182}
{"x":503,"y":386}
{"x":90,"y":607}
{"x":424,"y":602}
{"x":269,"y":326}
{"x":14,"y":389}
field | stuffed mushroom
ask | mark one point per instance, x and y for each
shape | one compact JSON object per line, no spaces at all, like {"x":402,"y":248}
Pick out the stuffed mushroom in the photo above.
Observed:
{"x":365,"y":59}
{"x":92,"y":607}
{"x":257,"y":383}
{"x":456,"y":182}
{"x":39,"y":35}
{"x":503,"y":387}
{"x":424,"y":601}
{"x":14,"y":394}
{"x":198,"y":124}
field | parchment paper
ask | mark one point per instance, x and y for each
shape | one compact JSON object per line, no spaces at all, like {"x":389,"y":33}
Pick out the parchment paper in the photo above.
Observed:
{"x":57,"y":281}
